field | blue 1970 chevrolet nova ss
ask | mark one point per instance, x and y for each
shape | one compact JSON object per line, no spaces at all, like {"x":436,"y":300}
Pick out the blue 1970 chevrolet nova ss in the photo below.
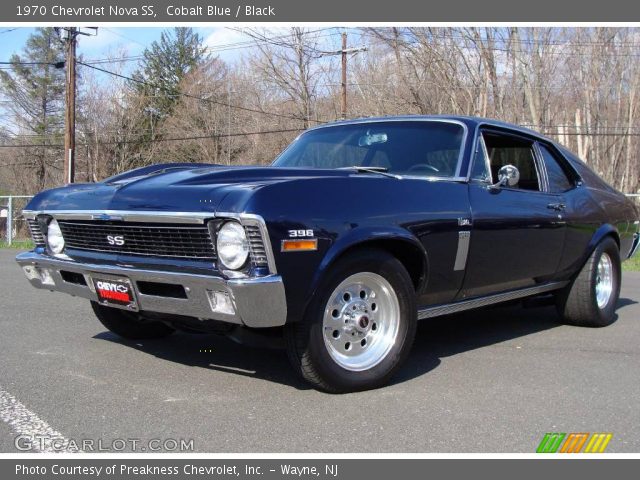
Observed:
{"x":358,"y":230}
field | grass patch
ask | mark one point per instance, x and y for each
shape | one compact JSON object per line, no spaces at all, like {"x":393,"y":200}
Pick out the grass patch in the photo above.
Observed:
{"x":632,"y":265}
{"x":18,"y":244}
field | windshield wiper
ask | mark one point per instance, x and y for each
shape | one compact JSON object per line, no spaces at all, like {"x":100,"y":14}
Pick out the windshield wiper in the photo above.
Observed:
{"x":380,"y":170}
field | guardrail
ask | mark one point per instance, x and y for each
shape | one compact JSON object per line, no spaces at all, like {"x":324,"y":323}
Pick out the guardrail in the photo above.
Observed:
{"x":13,"y":226}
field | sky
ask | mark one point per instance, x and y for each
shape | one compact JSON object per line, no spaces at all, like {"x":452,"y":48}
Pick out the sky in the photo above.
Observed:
{"x":131,"y":41}
{"x":116,"y":40}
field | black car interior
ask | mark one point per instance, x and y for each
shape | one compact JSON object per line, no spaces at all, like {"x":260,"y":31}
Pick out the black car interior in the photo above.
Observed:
{"x":511,"y":150}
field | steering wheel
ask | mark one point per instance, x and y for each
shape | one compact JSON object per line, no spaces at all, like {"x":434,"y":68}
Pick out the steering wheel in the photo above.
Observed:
{"x":422,"y":166}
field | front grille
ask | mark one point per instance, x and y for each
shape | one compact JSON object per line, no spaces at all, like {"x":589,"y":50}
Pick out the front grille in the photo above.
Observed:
{"x":36,"y":232}
{"x":256,"y":246}
{"x":159,"y":240}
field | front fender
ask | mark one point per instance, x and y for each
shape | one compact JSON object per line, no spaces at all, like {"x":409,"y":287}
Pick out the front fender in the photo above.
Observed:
{"x":371,"y":236}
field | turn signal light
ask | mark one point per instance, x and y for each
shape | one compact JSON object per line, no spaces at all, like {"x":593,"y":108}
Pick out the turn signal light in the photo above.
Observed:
{"x":299,"y":245}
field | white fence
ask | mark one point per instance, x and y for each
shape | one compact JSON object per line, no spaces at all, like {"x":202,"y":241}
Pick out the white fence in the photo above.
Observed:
{"x":13,"y":226}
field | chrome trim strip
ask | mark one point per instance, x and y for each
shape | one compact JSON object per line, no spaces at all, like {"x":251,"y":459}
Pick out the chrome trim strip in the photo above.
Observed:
{"x":130,"y":254}
{"x":463,"y":250}
{"x":634,"y":245}
{"x":124,"y":215}
{"x":479,"y":143}
{"x":446,"y":309}
{"x":260,"y":302}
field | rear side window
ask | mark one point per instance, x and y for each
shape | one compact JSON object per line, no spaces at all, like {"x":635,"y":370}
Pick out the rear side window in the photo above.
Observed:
{"x":510,"y":150}
{"x":558,"y":180}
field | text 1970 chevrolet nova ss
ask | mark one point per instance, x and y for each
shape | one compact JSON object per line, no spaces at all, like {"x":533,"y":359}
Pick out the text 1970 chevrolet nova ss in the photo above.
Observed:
{"x":358,"y":230}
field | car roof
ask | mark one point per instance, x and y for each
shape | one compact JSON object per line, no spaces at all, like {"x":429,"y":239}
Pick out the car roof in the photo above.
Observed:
{"x":469,"y":121}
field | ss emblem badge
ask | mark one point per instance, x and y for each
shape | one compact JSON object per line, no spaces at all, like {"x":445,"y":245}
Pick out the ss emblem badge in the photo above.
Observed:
{"x":115,"y":240}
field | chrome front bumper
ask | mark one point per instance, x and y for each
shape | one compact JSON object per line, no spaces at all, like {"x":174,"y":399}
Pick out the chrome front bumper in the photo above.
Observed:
{"x":258,"y":302}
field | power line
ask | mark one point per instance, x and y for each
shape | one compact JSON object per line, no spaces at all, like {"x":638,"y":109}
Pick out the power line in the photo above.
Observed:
{"x":520,"y":41}
{"x":386,"y":41}
{"x":159,"y":140}
{"x":121,"y":35}
{"x":505,"y":48}
{"x":213,"y":48}
{"x":594,"y":130}
{"x":53,"y":64}
{"x":208,"y":100}
{"x":285,"y":130}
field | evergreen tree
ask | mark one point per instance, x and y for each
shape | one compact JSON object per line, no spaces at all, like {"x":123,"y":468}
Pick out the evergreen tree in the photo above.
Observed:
{"x":35,"y":87}
{"x":156,"y":92}
{"x":164,"y":66}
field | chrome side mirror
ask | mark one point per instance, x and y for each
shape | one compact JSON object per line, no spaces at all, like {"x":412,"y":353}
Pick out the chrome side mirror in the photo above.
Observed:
{"x":508,"y":176}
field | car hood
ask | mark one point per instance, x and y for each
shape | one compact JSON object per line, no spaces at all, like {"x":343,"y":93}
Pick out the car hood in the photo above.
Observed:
{"x":175,"y":188}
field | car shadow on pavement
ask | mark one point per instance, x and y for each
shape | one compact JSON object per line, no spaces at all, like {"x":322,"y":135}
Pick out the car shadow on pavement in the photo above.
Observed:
{"x":452,"y":334}
{"x":436,"y":338}
{"x":216,"y":352}
{"x":623,"y":302}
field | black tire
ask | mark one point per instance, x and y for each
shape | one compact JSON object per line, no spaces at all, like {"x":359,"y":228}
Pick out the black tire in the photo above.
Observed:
{"x":305,"y":342}
{"x":577,"y":304}
{"x":129,"y":325}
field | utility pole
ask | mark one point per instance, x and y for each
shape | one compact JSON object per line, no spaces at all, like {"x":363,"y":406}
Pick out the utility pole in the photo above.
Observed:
{"x":70,"y":39}
{"x":229,"y":124}
{"x":344,"y":76}
{"x":344,"y":52}
{"x":70,"y":107}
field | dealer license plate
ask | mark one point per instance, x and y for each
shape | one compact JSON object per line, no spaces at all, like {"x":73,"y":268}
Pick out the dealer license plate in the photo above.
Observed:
{"x":115,"y":292}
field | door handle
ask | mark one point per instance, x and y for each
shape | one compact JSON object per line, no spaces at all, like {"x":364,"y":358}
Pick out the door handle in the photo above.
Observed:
{"x":557,"y":206}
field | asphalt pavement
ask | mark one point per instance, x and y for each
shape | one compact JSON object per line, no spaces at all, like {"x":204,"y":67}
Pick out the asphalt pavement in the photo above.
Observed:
{"x":494,"y":380}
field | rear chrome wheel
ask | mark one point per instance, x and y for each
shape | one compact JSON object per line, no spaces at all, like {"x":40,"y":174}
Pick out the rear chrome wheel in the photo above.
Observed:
{"x":590,"y":299}
{"x":361,"y":321}
{"x":604,"y":280}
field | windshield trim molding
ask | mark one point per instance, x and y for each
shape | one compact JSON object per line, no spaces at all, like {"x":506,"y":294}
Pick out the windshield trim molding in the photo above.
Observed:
{"x":463,"y":141}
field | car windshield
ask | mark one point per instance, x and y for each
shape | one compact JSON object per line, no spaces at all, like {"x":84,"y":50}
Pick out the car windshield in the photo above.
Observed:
{"x":408,"y":148}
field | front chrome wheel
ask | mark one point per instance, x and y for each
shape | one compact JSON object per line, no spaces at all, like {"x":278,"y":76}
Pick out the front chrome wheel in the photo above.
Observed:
{"x":361,"y":321}
{"x":604,"y":280}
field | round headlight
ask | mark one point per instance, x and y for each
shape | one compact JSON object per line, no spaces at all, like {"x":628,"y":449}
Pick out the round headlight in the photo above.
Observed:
{"x":54,"y":237}
{"x":232,"y":245}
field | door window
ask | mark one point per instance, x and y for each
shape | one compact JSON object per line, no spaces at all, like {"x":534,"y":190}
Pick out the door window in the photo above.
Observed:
{"x":511,"y":150}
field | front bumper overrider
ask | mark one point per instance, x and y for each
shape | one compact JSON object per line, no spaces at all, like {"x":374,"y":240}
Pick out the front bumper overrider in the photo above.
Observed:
{"x":257,"y":302}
